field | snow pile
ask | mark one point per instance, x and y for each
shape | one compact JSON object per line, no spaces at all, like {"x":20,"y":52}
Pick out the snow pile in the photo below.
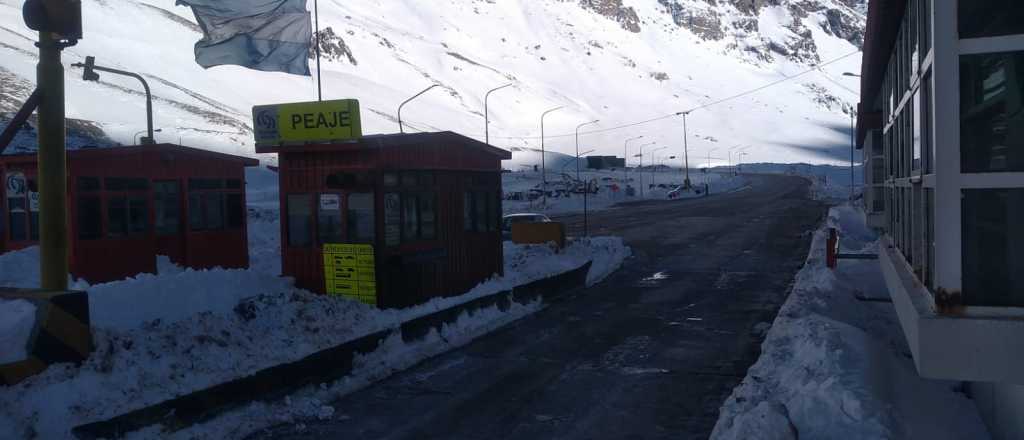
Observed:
{"x":227,"y":337}
{"x":20,"y":268}
{"x":836,"y":367}
{"x":17,"y":317}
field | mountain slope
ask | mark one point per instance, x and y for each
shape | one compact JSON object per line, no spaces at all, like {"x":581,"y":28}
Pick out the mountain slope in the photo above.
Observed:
{"x":620,"y":61}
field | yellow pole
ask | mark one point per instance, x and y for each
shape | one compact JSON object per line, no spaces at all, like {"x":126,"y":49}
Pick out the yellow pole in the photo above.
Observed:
{"x":52,"y":178}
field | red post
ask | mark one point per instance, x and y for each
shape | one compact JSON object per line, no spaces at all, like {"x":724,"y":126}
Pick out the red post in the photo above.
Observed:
{"x":832,"y":249}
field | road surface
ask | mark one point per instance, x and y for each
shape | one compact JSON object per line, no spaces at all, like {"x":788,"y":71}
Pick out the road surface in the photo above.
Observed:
{"x":650,"y":353}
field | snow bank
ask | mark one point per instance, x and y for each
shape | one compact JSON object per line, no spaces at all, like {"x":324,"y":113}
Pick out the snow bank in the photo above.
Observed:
{"x":215,"y":335}
{"x":20,"y":268}
{"x":836,"y":367}
{"x":17,"y":317}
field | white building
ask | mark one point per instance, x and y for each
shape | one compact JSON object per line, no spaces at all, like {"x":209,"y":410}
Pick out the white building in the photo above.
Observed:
{"x":942,"y":127}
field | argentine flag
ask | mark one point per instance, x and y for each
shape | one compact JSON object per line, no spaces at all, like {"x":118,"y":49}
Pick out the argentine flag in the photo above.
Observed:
{"x":268,"y":35}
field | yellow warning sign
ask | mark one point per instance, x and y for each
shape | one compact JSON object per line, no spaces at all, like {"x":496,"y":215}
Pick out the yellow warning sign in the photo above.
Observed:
{"x":350,"y":271}
{"x":302,"y":122}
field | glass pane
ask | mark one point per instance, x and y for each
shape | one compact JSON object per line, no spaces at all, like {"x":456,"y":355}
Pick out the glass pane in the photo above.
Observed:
{"x":410,"y":218}
{"x":481,"y":211}
{"x":117,"y":216}
{"x":916,"y":134}
{"x":467,"y":211}
{"x":203,"y":184}
{"x":990,"y":18}
{"x":90,"y":216}
{"x":236,"y":211}
{"x":329,"y":219}
{"x":300,"y":220}
{"x":213,"y":204}
{"x":126,"y":184}
{"x":195,"y":212}
{"x":362,"y":219}
{"x":992,"y":112}
{"x":993,"y":247}
{"x":167,"y":215}
{"x":428,"y":216}
{"x":88,"y":184}
{"x":33,"y":218}
{"x":138,"y":215}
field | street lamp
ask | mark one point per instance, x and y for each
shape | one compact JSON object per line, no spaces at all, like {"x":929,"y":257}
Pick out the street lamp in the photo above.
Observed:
{"x":578,"y":127}
{"x":89,"y":74}
{"x":709,"y":156}
{"x":686,"y":153}
{"x":625,"y":160}
{"x":739,"y":168}
{"x":586,"y":192}
{"x":401,"y":128}
{"x":543,"y":163}
{"x":135,"y":137}
{"x":853,"y":138}
{"x":487,"y":114}
{"x":642,"y":166}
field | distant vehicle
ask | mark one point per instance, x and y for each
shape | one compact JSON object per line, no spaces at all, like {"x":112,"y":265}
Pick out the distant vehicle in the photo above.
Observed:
{"x":678,"y":192}
{"x":508,"y":220}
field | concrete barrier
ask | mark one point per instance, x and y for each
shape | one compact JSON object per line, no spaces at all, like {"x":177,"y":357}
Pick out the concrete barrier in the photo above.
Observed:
{"x":324,"y":366}
{"x":60,"y":334}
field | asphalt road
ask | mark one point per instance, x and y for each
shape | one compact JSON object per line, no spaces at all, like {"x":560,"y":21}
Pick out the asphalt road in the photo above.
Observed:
{"x":650,"y":353}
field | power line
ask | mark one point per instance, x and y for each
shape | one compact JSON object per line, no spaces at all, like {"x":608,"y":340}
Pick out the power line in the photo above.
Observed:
{"x":700,"y":107}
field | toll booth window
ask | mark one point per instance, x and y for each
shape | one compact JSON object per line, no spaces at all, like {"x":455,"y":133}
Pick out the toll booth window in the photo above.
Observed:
{"x":213,"y":205}
{"x":329,"y":225}
{"x":236,"y":211}
{"x":410,"y":179}
{"x":419,"y":216}
{"x":300,"y":220}
{"x":390,"y":179}
{"x":88,"y":184}
{"x":90,"y":218}
{"x":481,"y":211}
{"x":428,"y":216}
{"x":167,"y":201}
{"x":18,"y":209}
{"x":362,"y":219}
{"x":126,"y":184}
{"x":127,"y":216}
{"x":480,"y":203}
{"x":410,"y":218}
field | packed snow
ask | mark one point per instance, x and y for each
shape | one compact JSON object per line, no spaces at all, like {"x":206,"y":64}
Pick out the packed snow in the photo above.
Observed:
{"x":833,"y":366}
{"x":17,"y":317}
{"x":164,"y":335}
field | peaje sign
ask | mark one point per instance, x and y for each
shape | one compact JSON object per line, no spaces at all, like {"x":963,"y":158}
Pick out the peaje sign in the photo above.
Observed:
{"x":307,"y":122}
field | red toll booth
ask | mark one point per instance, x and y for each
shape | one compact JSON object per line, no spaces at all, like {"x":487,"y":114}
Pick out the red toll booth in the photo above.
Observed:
{"x":129,"y":204}
{"x":391,"y":220}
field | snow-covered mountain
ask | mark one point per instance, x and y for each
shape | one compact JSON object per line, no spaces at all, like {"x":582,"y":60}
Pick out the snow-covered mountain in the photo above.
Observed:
{"x":620,"y":61}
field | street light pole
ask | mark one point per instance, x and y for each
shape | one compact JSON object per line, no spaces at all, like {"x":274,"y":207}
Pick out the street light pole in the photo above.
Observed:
{"x":586,"y":190}
{"x":89,"y":74}
{"x":543,"y":152}
{"x":853,"y":139}
{"x":642,"y":167}
{"x":136,"y":136}
{"x":487,"y":114}
{"x":654,"y":174}
{"x":586,"y":195}
{"x":625,"y":161}
{"x":686,"y":152}
{"x":401,"y":128}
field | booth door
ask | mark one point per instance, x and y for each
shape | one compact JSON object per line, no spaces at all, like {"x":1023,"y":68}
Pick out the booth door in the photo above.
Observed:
{"x":168,"y":205}
{"x":124,"y":246}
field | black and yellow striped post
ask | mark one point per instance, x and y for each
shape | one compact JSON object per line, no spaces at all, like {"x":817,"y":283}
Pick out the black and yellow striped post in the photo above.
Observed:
{"x":61,"y":332}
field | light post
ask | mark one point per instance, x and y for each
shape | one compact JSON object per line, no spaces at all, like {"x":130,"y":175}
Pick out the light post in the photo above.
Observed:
{"x":853,"y":138}
{"x":89,"y":74}
{"x":487,"y":113}
{"x":642,"y":166}
{"x":709,"y":157}
{"x":686,"y":153}
{"x":135,"y":137}
{"x":543,"y":163}
{"x":578,"y":127}
{"x":729,"y":164}
{"x":739,"y":169}
{"x":625,"y":160}
{"x":401,"y":128}
{"x":586,"y":193}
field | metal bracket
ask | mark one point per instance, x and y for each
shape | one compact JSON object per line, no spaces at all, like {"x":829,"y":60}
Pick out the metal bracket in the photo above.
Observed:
{"x":20,"y":118}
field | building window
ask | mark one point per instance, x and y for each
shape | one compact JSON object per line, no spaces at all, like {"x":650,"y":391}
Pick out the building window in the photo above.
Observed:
{"x":362,"y":219}
{"x":329,"y":227}
{"x":419,"y":216}
{"x":214,"y":206}
{"x":927,"y":144}
{"x":929,"y":238}
{"x":916,"y":132}
{"x":925,"y":19}
{"x":482,"y":211}
{"x":990,"y":18}
{"x":127,"y":215}
{"x":992,"y":112}
{"x":90,"y":218}
{"x":993,"y":247}
{"x":167,"y":207}
{"x":300,"y":220}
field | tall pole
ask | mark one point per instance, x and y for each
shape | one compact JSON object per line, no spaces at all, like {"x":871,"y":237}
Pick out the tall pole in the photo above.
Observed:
{"x":487,"y":113}
{"x":52,"y":167}
{"x":654,"y":174}
{"x":586,"y":189}
{"x":543,"y":152}
{"x":625,"y":161}
{"x":642,"y":167}
{"x":316,"y":20}
{"x":686,"y":153}
{"x":401,"y":127}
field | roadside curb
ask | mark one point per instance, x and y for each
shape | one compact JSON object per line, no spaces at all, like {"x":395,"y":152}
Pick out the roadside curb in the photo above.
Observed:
{"x":325,"y":366}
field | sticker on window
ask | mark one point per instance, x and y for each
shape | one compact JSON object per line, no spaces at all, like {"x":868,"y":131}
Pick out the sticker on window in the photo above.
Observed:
{"x":330,"y":202}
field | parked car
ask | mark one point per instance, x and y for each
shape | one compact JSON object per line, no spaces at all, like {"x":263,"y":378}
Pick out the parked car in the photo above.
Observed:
{"x":510,"y":219}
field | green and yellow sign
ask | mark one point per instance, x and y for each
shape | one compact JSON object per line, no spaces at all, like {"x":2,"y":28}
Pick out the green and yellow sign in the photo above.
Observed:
{"x":350,"y":271}
{"x":307,"y":122}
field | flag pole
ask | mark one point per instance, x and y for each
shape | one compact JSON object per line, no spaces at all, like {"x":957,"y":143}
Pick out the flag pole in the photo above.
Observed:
{"x":316,"y":20}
